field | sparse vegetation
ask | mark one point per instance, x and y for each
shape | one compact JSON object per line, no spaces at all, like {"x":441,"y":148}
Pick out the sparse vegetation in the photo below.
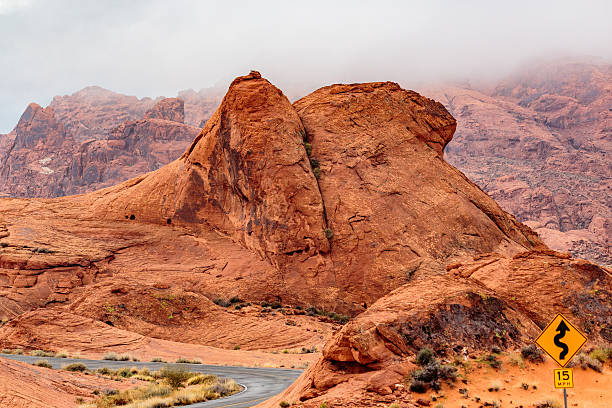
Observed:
{"x":175,"y":376}
{"x":418,"y":386}
{"x":425,"y":356}
{"x":116,"y":357}
{"x":183,"y":360}
{"x":329,"y":234}
{"x":202,"y":379}
{"x":283,"y":404}
{"x":80,"y":367}
{"x":548,"y":404}
{"x":586,"y":361}
{"x":42,"y":353}
{"x":158,"y":395}
{"x":221,"y":302}
{"x":62,"y":354}
{"x":433,"y":372}
{"x":42,"y":363}
{"x":237,"y":347}
{"x":157,"y":360}
{"x":308,"y":148}
{"x":338,"y":318}
{"x":394,"y":405}
{"x":492,"y":360}
{"x":7,"y":351}
{"x":532,"y":353}
{"x":602,"y":354}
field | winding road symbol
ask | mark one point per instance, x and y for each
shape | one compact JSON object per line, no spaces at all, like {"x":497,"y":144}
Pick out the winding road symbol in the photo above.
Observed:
{"x":562,"y":329}
{"x":561,"y":340}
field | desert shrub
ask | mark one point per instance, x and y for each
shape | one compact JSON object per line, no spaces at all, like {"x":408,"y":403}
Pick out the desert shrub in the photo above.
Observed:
{"x":18,"y":351}
{"x":175,"y":375}
{"x":492,"y":360}
{"x":585,"y":361}
{"x":283,"y":404}
{"x":134,"y":358}
{"x":75,"y":367}
{"x":394,"y":405}
{"x":157,"y":360}
{"x":432,"y":373}
{"x":42,"y":363}
{"x":317,"y":173}
{"x":104,"y":371}
{"x":237,"y":347}
{"x":124,"y":372}
{"x":532,"y":353}
{"x":339,"y":318}
{"x":7,"y":351}
{"x":323,"y":405}
{"x":602,"y":354}
{"x":435,"y":371}
{"x":62,"y":354}
{"x":548,"y":404}
{"x":329,"y":234}
{"x":425,"y":356}
{"x":418,"y":386}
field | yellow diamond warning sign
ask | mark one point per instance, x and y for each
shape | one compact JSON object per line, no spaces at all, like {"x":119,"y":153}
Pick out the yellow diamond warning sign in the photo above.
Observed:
{"x":564,"y":378}
{"x":561,"y":340}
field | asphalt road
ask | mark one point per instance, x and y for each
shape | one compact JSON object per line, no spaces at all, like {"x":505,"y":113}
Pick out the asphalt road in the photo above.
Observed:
{"x":260,"y":383}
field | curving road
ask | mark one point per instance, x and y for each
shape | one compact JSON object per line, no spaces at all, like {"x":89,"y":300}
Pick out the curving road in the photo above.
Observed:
{"x":260,"y":383}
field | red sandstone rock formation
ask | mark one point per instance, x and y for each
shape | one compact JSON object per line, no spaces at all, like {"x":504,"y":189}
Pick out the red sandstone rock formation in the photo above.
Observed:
{"x":540,"y":144}
{"x":342,"y":200}
{"x":40,"y":158}
{"x":489,"y":301}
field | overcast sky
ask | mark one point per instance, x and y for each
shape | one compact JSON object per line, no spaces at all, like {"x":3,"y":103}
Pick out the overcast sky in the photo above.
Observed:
{"x":153,"y":48}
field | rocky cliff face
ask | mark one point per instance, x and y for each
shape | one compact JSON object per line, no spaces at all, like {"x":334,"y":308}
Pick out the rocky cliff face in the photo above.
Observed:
{"x":42,"y":159}
{"x":37,"y":148}
{"x":540,"y":144}
{"x":93,"y":111}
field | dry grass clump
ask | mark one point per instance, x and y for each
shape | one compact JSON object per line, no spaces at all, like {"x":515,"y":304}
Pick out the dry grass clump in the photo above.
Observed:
{"x":163,"y":395}
{"x":112,"y":356}
{"x":42,"y":363}
{"x":42,"y":353}
{"x":202,"y":379}
{"x":183,"y":360}
{"x":75,"y":367}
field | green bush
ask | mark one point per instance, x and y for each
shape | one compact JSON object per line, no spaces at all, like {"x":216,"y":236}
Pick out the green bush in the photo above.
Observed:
{"x":283,"y":404}
{"x":425,"y":356}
